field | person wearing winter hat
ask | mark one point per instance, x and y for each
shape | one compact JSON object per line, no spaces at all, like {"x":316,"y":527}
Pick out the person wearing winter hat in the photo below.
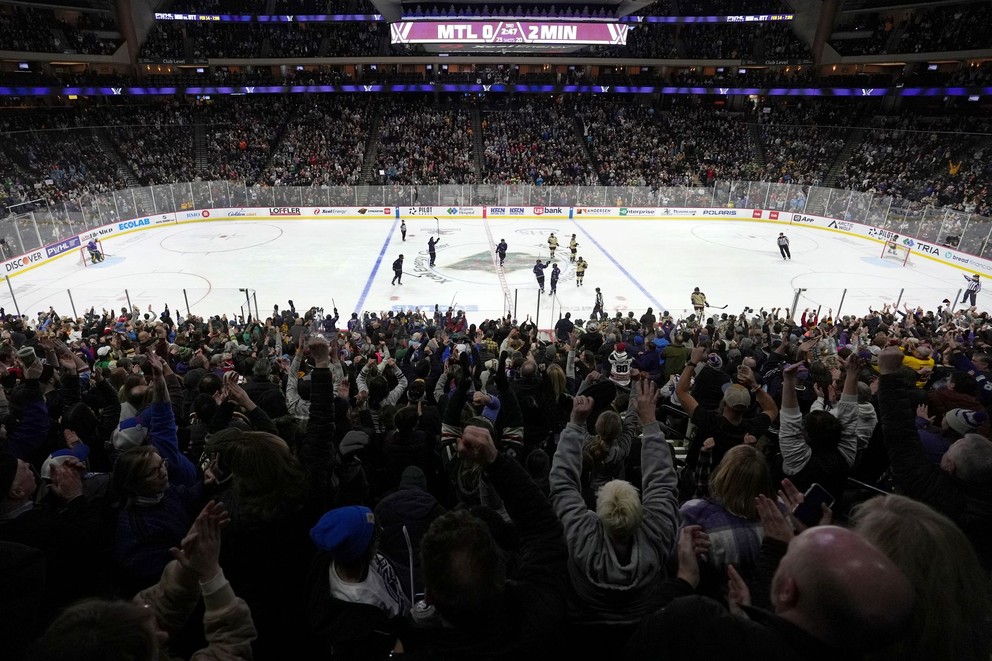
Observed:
{"x":964,"y":421}
{"x":357,"y":602}
{"x":620,"y":365}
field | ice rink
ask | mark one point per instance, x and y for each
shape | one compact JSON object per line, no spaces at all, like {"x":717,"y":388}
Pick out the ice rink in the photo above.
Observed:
{"x":637,"y":263}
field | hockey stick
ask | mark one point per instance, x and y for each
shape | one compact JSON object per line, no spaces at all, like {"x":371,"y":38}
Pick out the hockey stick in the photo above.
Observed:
{"x":412,"y":275}
{"x":438,"y":225}
{"x":717,"y":307}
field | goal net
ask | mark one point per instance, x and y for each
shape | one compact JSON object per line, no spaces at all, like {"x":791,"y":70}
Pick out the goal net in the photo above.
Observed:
{"x":896,"y":251}
{"x":85,"y":256}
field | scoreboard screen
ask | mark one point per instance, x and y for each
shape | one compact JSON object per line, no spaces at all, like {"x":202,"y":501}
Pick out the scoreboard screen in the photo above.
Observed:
{"x":509,"y":33}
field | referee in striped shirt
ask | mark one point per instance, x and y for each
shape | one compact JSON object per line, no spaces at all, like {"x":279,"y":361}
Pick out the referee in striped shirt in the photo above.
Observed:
{"x":974,"y":286}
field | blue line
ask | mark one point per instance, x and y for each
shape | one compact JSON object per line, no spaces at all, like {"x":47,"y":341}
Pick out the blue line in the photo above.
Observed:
{"x":658,"y":306}
{"x":375,"y":269}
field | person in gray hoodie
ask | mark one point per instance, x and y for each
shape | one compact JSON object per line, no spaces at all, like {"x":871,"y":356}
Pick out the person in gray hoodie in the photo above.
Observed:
{"x":617,"y":554}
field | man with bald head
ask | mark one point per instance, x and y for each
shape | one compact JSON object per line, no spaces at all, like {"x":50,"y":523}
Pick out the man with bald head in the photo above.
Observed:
{"x":835,"y":596}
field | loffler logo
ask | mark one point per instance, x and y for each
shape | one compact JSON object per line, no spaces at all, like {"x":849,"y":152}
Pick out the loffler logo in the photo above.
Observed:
{"x":24,"y":260}
{"x":284,"y":211}
{"x":799,"y":218}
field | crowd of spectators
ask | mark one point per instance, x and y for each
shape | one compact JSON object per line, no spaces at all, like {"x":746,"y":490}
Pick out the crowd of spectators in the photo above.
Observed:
{"x":227,"y":39}
{"x":240,"y":139}
{"x":939,"y":28}
{"x":928,"y":161}
{"x":534,"y":142}
{"x":413,"y":481}
{"x":165,"y":41}
{"x":29,"y":29}
{"x":425,"y":145}
{"x":324,"y":145}
{"x":802,"y":141}
{"x":760,"y":42}
{"x":155,"y":140}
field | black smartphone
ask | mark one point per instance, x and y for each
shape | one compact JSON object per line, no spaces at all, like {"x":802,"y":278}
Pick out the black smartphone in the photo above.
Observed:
{"x":809,"y":511}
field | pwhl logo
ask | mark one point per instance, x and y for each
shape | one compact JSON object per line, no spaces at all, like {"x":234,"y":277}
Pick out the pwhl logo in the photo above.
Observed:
{"x":24,"y":260}
{"x":284,"y":211}
{"x":799,"y":218}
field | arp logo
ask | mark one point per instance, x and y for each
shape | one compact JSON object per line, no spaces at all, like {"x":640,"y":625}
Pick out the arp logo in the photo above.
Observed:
{"x":756,"y":213}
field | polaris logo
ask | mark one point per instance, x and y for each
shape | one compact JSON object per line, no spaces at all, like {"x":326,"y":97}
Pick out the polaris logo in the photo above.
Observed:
{"x":721,"y":212}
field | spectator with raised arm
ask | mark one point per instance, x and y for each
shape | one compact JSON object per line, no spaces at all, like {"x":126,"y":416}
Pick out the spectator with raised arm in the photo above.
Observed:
{"x":617,"y":553}
{"x":142,"y":628}
{"x":959,"y":487}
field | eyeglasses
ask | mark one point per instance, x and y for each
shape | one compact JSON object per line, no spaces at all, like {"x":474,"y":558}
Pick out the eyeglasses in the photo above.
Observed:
{"x":161,"y":468}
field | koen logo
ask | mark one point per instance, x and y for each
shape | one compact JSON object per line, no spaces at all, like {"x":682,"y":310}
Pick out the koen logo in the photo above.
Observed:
{"x":284,"y":211}
{"x":24,"y":260}
{"x":497,"y":211}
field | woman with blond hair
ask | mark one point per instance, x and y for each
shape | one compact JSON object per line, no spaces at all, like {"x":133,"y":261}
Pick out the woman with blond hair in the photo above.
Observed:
{"x":953,"y":617}
{"x":729,"y":516}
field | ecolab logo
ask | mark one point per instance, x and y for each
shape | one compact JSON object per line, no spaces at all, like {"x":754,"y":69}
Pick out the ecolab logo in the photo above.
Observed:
{"x":284,"y":211}
{"x":131,"y":224}
{"x":497,"y":211}
{"x":799,"y":218}
{"x":24,"y":260}
{"x":756,"y":213}
{"x":721,"y":212}
{"x":773,"y":215}
{"x":516,"y":211}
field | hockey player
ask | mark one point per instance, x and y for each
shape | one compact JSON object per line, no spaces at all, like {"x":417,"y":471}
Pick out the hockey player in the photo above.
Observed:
{"x":539,"y":273}
{"x":573,"y":248}
{"x":94,"y":250}
{"x":403,"y":229}
{"x":398,"y":271}
{"x":892,"y":244}
{"x":431,"y":242}
{"x":597,"y":309}
{"x":698,"y":301}
{"x":580,"y":271}
{"x":501,"y":251}
{"x":555,"y":274}
{"x":552,"y":244}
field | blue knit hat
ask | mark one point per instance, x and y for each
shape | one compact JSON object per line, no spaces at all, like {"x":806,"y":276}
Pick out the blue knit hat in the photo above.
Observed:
{"x":345,"y":532}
